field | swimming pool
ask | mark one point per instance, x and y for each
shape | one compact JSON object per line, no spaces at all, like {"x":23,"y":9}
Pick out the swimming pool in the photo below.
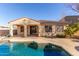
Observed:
{"x":22,"y":49}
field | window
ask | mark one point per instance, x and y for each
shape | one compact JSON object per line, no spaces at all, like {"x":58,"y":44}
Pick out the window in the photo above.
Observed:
{"x":59,"y":28}
{"x":48,"y":28}
{"x":22,"y":28}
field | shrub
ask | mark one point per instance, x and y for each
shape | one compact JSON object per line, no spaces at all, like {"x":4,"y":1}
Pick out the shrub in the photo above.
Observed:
{"x":33,"y":45}
{"x":9,"y":35}
{"x":51,"y":36}
{"x":60,"y":36}
{"x":46,"y":36}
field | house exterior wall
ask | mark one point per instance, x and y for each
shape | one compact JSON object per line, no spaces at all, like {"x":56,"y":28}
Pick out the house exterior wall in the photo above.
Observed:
{"x":60,"y":29}
{"x":54,"y":31}
{"x":48,"y":33}
{"x":19,"y":33}
{"x":41,"y":30}
{"x":76,"y":34}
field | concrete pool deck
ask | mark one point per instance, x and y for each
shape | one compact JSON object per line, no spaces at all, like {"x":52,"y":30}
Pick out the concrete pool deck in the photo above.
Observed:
{"x":65,"y":43}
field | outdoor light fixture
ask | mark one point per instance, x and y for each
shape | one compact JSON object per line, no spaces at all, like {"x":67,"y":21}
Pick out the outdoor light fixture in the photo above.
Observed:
{"x":25,"y":22}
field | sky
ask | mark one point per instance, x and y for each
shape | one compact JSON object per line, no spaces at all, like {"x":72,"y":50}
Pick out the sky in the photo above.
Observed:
{"x":37,"y":11}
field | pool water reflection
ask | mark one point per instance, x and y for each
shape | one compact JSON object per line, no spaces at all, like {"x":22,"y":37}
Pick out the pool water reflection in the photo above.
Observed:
{"x":22,"y":49}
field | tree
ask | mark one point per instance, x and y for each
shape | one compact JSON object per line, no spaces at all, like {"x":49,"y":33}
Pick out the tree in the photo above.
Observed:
{"x":75,"y":7}
{"x":71,"y":29}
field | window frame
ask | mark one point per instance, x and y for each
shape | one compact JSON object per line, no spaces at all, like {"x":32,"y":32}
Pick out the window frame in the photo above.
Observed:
{"x":59,"y":28}
{"x":48,"y":28}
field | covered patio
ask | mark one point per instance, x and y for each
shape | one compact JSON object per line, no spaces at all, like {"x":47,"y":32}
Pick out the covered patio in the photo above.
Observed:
{"x":26,"y":27}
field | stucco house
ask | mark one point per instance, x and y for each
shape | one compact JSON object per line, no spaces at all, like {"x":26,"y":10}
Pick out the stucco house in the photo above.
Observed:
{"x":30,"y":27}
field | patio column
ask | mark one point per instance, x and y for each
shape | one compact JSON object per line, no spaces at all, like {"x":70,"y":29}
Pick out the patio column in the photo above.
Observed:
{"x":53,"y":29}
{"x":28,"y":30}
{"x":40,"y":30}
{"x":64,"y":27}
{"x":25,"y":30}
{"x":18,"y":30}
{"x":11,"y":30}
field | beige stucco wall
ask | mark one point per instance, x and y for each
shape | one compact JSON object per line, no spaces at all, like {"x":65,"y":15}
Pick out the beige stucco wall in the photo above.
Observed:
{"x":77,"y":33}
{"x":43,"y":33}
{"x":41,"y":30}
{"x":19,"y":33}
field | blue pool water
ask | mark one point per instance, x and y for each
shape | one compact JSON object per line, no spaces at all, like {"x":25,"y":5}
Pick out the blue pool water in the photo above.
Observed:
{"x":24,"y":50}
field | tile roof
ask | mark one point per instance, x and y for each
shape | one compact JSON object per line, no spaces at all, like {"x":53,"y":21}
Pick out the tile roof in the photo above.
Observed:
{"x":43,"y":21}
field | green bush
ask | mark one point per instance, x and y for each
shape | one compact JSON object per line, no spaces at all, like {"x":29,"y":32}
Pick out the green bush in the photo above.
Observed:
{"x":33,"y":45}
{"x":60,"y":35}
{"x":9,"y":35}
{"x":48,"y":36}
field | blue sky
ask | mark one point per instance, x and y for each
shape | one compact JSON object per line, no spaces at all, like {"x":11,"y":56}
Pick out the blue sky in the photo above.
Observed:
{"x":38,"y":11}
